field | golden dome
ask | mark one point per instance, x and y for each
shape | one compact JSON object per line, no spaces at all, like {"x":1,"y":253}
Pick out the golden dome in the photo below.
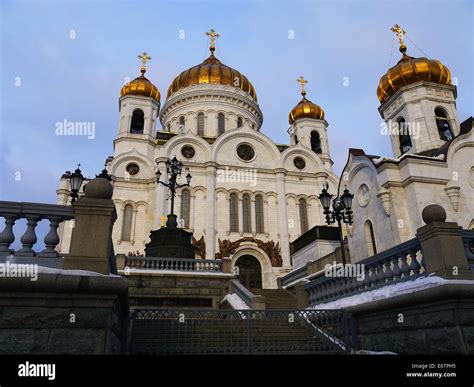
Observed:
{"x":305,"y":108}
{"x":212,"y":71}
{"x":409,"y":70}
{"x":141,"y":85}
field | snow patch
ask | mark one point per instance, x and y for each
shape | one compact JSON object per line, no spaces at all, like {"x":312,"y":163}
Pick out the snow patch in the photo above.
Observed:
{"x":388,"y":291}
{"x":235,"y":301}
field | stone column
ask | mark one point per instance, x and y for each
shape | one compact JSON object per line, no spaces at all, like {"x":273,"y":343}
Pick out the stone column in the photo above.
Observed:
{"x":266,"y":226}
{"x":91,"y":241}
{"x":240,"y":216}
{"x":191,"y":212}
{"x":160,"y":196}
{"x":442,"y":245}
{"x":283,"y":217}
{"x":253,"y":220}
{"x":211,"y":168}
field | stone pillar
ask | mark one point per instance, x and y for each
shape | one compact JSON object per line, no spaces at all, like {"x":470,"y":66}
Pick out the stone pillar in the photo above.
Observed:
{"x":240,"y":216}
{"x":211,"y":210}
{"x":253,"y":220}
{"x":442,"y":245}
{"x":283,"y":217}
{"x":91,"y":241}
{"x":302,"y":296}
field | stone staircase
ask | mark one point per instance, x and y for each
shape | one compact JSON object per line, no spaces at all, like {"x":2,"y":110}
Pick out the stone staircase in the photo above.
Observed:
{"x":276,"y":298}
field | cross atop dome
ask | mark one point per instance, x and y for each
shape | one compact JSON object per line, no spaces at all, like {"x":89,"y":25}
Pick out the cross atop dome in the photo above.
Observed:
{"x":400,"y":32}
{"x":144,"y":57}
{"x":213,"y":35}
{"x":302,"y":82}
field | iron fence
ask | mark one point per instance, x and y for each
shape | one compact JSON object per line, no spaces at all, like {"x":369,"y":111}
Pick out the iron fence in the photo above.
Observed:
{"x":157,"y":331}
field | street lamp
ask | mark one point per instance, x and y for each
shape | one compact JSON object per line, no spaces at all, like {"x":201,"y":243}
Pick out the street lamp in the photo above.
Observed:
{"x":173,"y":169}
{"x":341,"y":211}
{"x":75,"y":180}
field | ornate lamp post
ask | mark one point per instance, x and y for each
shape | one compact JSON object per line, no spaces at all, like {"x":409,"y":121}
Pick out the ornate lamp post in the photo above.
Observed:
{"x":173,"y":169}
{"x":341,"y":212}
{"x":75,"y":180}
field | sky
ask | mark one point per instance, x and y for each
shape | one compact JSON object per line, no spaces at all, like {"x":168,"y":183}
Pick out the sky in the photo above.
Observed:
{"x":67,"y":60}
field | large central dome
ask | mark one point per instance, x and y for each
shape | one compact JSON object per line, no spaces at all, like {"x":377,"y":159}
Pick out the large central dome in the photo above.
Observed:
{"x":212,"y":71}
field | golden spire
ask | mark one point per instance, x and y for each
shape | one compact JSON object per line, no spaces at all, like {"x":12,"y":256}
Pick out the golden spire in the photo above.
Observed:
{"x":400,"y":34}
{"x":144,"y":57}
{"x":213,"y":35}
{"x":302,"y":82}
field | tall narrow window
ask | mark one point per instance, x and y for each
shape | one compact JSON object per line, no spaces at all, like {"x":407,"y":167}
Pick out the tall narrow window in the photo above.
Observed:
{"x":239,"y":122}
{"x":442,"y":122}
{"x":234,"y":213}
{"x":404,"y":136}
{"x":315,"y":142}
{"x":296,"y":139}
{"x":182,"y":122}
{"x":303,"y":215}
{"x":370,"y":239}
{"x":138,"y":121}
{"x":259,"y":214}
{"x":127,"y":222}
{"x":200,"y":124}
{"x":246,"y":216}
{"x":185,"y":200}
{"x":220,"y":124}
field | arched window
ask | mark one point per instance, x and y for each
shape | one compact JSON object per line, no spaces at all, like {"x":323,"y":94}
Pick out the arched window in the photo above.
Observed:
{"x":404,"y":136}
{"x":239,"y":122}
{"x":138,"y":121}
{"x":234,"y":212}
{"x":442,"y":122}
{"x":246,"y":215}
{"x":220,"y":124}
{"x":370,"y":239}
{"x":182,"y":122}
{"x":127,"y":222}
{"x":303,"y":215}
{"x":315,"y":142}
{"x":200,"y":124}
{"x":259,"y":214}
{"x":185,"y":200}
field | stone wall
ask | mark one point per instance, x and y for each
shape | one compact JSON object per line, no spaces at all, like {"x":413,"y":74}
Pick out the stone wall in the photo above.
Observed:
{"x":63,"y":314}
{"x":193,"y":290}
{"x":438,"y":320}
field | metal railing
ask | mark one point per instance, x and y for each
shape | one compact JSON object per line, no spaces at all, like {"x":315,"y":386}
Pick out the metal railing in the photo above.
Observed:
{"x":294,"y":275}
{"x":399,"y":263}
{"x":468,"y":242}
{"x":33,"y":213}
{"x":241,"y":332}
{"x":174,"y":264}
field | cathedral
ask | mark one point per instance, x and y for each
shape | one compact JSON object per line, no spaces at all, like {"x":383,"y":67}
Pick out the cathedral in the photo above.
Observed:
{"x":250,"y":197}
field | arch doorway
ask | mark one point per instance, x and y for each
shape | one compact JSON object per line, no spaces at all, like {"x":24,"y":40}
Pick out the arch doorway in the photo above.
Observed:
{"x":250,"y":272}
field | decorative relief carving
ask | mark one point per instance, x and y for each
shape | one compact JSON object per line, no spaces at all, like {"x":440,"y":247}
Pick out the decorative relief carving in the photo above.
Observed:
{"x":272,"y":249}
{"x":200,"y":246}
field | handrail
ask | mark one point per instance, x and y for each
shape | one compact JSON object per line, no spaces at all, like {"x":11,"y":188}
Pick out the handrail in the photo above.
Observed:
{"x":246,"y":295}
{"x":294,"y":275}
{"x":174,"y":264}
{"x":399,"y":263}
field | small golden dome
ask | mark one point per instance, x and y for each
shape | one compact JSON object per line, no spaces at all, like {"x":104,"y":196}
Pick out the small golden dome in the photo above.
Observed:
{"x":409,"y":70}
{"x":212,"y":71}
{"x":141,"y":85}
{"x":305,"y":109}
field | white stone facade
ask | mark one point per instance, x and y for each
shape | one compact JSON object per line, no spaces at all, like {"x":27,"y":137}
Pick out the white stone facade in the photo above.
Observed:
{"x":270,"y":174}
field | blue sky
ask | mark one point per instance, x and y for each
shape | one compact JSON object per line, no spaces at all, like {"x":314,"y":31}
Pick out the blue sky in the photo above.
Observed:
{"x":80,"y":79}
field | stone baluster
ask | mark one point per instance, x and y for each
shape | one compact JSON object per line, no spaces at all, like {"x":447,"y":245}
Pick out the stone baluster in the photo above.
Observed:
{"x":396,"y":269}
{"x":51,"y":239}
{"x":388,"y":270}
{"x":380,"y":274}
{"x":414,"y":266}
{"x":29,"y":238}
{"x":404,"y":269}
{"x":7,"y":237}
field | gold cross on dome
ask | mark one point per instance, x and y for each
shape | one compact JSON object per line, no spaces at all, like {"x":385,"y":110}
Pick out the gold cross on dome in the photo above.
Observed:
{"x":144,"y":57}
{"x":213,"y":35}
{"x":302,"y":82}
{"x":400,"y":33}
